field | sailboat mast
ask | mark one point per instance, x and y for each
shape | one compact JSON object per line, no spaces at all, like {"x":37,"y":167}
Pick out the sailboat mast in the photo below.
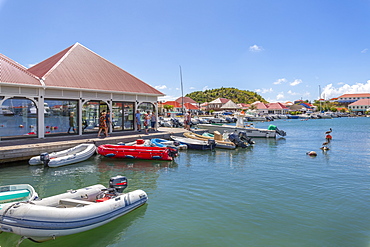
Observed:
{"x":320,"y":97}
{"x":182,"y":92}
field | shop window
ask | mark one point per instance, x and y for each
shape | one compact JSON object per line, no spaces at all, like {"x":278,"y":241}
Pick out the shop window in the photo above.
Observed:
{"x":61,"y":116}
{"x":18,"y":118}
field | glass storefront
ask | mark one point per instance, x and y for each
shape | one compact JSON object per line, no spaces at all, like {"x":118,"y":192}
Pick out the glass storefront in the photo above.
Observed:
{"x":61,"y":116}
{"x":90,"y":116}
{"x":18,"y":118}
{"x":128,"y":117}
{"x":123,"y":116}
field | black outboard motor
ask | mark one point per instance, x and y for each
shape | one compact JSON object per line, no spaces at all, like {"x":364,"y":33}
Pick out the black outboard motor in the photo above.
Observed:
{"x":44,"y":157}
{"x":173,"y":152}
{"x":243,"y":137}
{"x":175,"y":123}
{"x":119,"y":183}
{"x":280,"y":132}
{"x":212,"y":143}
{"x":233,"y":138}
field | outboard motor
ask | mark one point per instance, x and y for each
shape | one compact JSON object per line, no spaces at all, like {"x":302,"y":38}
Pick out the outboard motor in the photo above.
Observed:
{"x":280,"y":132}
{"x":44,"y":157}
{"x":233,"y":138}
{"x":243,"y":137}
{"x":173,"y":152}
{"x":118,"y":183}
{"x":175,"y":123}
{"x":212,"y":143}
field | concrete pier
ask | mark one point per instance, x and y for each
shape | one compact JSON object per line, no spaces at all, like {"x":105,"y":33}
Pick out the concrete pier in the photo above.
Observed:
{"x":24,"y":149}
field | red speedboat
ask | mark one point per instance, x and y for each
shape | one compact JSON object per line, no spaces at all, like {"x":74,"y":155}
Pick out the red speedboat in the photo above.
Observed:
{"x":138,"y":152}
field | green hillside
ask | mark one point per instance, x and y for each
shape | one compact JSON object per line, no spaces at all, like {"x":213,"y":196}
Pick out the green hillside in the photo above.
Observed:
{"x":236,"y":95}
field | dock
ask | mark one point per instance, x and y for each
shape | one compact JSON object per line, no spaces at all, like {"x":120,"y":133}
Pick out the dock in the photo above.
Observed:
{"x":16,"y":150}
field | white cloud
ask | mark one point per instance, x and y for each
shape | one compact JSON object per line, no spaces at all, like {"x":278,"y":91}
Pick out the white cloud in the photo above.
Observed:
{"x":292,"y":93}
{"x":255,"y":48}
{"x":191,"y":88}
{"x":167,"y":98}
{"x":279,"y":81}
{"x":296,"y":82}
{"x":31,"y":65}
{"x":329,"y":91}
{"x":264,"y":90}
{"x":205,"y":88}
{"x":160,"y":87}
{"x":280,"y":96}
{"x":364,"y":50}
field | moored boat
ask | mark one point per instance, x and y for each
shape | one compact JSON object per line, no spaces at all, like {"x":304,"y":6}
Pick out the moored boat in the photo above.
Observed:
{"x":138,"y":142}
{"x":65,"y":157}
{"x":250,"y":131}
{"x":137,"y":152}
{"x":219,"y":143}
{"x":71,"y":212}
{"x":195,"y":144}
{"x":14,"y":193}
{"x":158,"y":142}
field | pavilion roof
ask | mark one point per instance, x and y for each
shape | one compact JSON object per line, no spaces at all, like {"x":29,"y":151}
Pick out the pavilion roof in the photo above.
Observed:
{"x":80,"y":68}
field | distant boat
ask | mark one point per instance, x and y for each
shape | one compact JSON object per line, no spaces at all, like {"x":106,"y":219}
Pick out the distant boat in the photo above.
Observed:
{"x":195,"y":144}
{"x":239,"y":127}
{"x":219,"y":143}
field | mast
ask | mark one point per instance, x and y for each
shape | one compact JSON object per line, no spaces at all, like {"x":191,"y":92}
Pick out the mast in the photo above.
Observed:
{"x":182,"y":91}
{"x":320,"y":97}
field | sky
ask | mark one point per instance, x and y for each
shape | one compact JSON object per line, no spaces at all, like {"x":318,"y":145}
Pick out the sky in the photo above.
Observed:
{"x":284,"y":50}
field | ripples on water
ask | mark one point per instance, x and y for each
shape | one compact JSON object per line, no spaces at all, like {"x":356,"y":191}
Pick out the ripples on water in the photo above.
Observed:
{"x":271,"y":194}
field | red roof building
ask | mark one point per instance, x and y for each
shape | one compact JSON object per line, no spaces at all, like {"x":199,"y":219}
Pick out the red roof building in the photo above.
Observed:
{"x":361,"y":105}
{"x":80,"y":79}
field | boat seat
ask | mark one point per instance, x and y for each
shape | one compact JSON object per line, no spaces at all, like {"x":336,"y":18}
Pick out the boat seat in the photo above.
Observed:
{"x":74,"y":202}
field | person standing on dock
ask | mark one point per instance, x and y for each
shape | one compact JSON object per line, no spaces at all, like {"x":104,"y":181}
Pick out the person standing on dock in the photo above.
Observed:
{"x":103,"y":124}
{"x":107,"y":120}
{"x":153,"y":121}
{"x":147,"y":121}
{"x":138,"y":120}
{"x":187,"y":120}
{"x":71,"y":122}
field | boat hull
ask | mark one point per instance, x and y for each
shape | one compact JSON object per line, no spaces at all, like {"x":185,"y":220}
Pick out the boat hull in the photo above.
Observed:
{"x":157,"y":142}
{"x":219,"y":144}
{"x":73,"y":155}
{"x":53,"y":217}
{"x":194,"y":144}
{"x":135,"y":152}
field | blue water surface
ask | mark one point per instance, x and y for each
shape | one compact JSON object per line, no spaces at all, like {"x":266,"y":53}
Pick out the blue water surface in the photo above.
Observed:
{"x":271,"y":194}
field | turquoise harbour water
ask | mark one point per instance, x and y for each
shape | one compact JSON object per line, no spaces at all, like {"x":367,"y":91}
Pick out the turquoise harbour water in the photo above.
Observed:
{"x":272,"y":194}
